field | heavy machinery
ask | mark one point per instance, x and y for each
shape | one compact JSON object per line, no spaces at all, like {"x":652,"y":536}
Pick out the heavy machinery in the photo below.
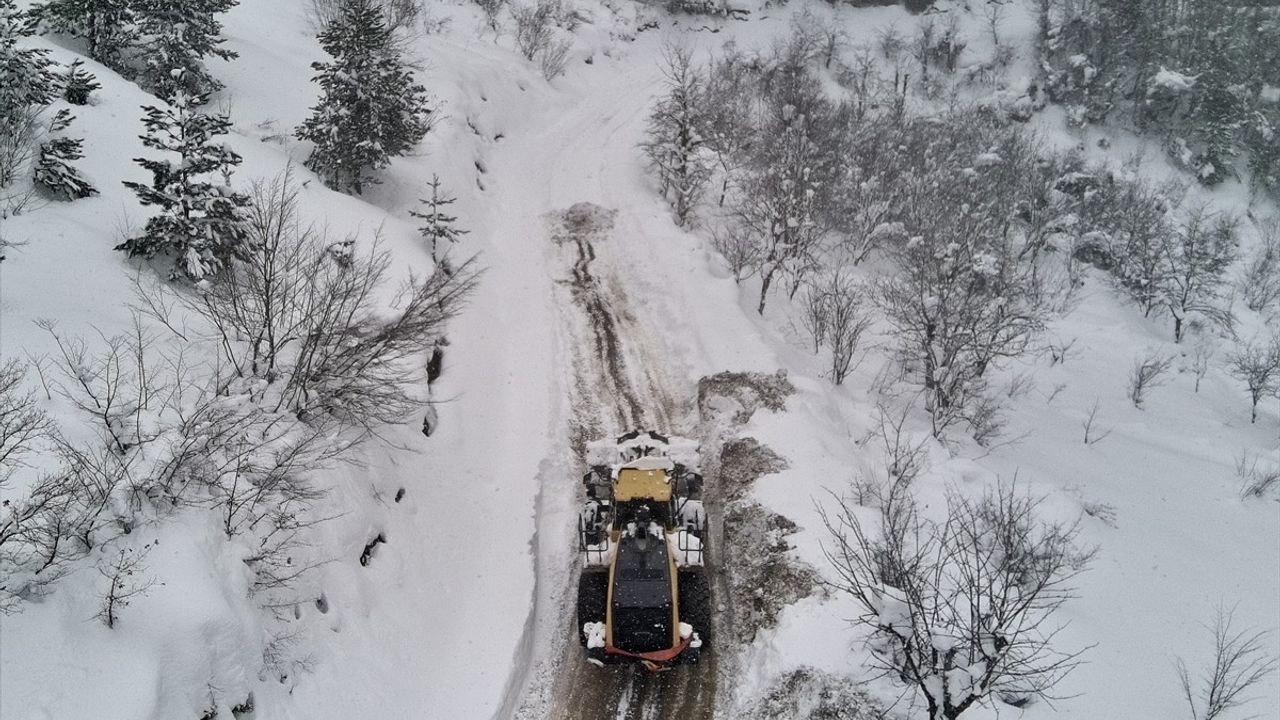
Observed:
{"x":643,"y":596}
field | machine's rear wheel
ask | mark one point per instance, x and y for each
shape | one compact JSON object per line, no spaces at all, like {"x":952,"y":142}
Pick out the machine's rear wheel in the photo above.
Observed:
{"x":695,"y":603}
{"x":593,"y":594}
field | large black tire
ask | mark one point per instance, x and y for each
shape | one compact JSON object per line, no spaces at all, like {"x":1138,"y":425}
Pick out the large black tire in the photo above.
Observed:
{"x":593,"y":594}
{"x":695,"y":603}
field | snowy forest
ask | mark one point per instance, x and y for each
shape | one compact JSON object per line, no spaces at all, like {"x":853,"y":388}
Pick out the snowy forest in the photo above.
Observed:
{"x":311,"y":311}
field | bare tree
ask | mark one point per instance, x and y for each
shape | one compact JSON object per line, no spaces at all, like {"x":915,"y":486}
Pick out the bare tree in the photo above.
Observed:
{"x":358,"y":362}
{"x":1148,"y":372}
{"x":309,"y":313}
{"x":23,"y":425}
{"x":994,"y":12}
{"x":963,"y":609}
{"x":726,"y":120}
{"x":1258,"y":476}
{"x":848,"y":319}
{"x":1240,"y":662}
{"x":123,"y":573}
{"x":738,"y":251}
{"x":1093,"y":435}
{"x":675,"y":143}
{"x":781,"y":199}
{"x":1194,"y":259}
{"x":1201,"y":355}
{"x":1260,"y":280}
{"x":1258,"y":366}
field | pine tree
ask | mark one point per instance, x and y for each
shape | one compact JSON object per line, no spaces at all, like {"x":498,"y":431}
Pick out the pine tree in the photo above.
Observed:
{"x":27,"y":77}
{"x":440,"y":226}
{"x":370,"y":108}
{"x":201,"y":223}
{"x":179,"y":34}
{"x":27,"y":84}
{"x":106,"y":26}
{"x":54,"y":169}
{"x":78,"y":84}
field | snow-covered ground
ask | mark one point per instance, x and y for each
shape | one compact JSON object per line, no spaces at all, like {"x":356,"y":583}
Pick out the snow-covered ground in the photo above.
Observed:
{"x":455,"y":615}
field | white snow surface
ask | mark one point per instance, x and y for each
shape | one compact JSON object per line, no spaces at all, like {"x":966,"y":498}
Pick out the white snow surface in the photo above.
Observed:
{"x":440,"y":623}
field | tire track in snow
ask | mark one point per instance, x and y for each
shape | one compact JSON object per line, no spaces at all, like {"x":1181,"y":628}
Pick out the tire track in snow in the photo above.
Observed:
{"x":616,"y":374}
{"x":618,"y":361}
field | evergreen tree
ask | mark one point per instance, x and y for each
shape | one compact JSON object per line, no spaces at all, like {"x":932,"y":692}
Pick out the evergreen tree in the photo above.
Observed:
{"x":78,"y":84}
{"x":370,"y":108}
{"x":27,"y":77}
{"x":27,"y":84}
{"x":106,"y":26}
{"x":179,"y":34}
{"x":440,"y":226}
{"x":201,"y":223}
{"x":54,"y":169}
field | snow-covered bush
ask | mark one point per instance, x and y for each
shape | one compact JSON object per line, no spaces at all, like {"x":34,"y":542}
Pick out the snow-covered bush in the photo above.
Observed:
{"x":1148,"y":372}
{"x":962,"y":609}
{"x":534,"y":26}
{"x":303,"y":314}
{"x":78,"y":84}
{"x":54,"y":170}
{"x":814,"y":695}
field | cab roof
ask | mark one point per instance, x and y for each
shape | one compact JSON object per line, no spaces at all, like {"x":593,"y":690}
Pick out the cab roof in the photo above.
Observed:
{"x":642,"y":484}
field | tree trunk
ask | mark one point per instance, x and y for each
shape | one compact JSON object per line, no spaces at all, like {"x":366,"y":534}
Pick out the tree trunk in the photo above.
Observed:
{"x":766,"y":280}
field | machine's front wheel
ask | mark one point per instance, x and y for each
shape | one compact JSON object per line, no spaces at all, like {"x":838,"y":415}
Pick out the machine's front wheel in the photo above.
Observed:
{"x":695,"y":602}
{"x":593,"y":594}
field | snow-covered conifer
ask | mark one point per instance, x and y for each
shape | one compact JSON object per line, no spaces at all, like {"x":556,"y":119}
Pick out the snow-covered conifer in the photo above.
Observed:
{"x":27,"y":83}
{"x":54,"y":169}
{"x":370,"y":108}
{"x":440,"y":227}
{"x":106,"y":26}
{"x":175,"y":37}
{"x":201,"y":222}
{"x":26,"y":74}
{"x":78,"y":84}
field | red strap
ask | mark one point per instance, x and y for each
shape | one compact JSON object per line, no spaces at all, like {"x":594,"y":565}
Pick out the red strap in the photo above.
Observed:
{"x":660,"y":656}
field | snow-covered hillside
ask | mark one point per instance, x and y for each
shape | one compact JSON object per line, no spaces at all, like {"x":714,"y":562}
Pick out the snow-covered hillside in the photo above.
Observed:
{"x":441,"y":568}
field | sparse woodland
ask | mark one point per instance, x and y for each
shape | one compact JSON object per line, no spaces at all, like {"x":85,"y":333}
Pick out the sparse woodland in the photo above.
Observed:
{"x":951,"y":236}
